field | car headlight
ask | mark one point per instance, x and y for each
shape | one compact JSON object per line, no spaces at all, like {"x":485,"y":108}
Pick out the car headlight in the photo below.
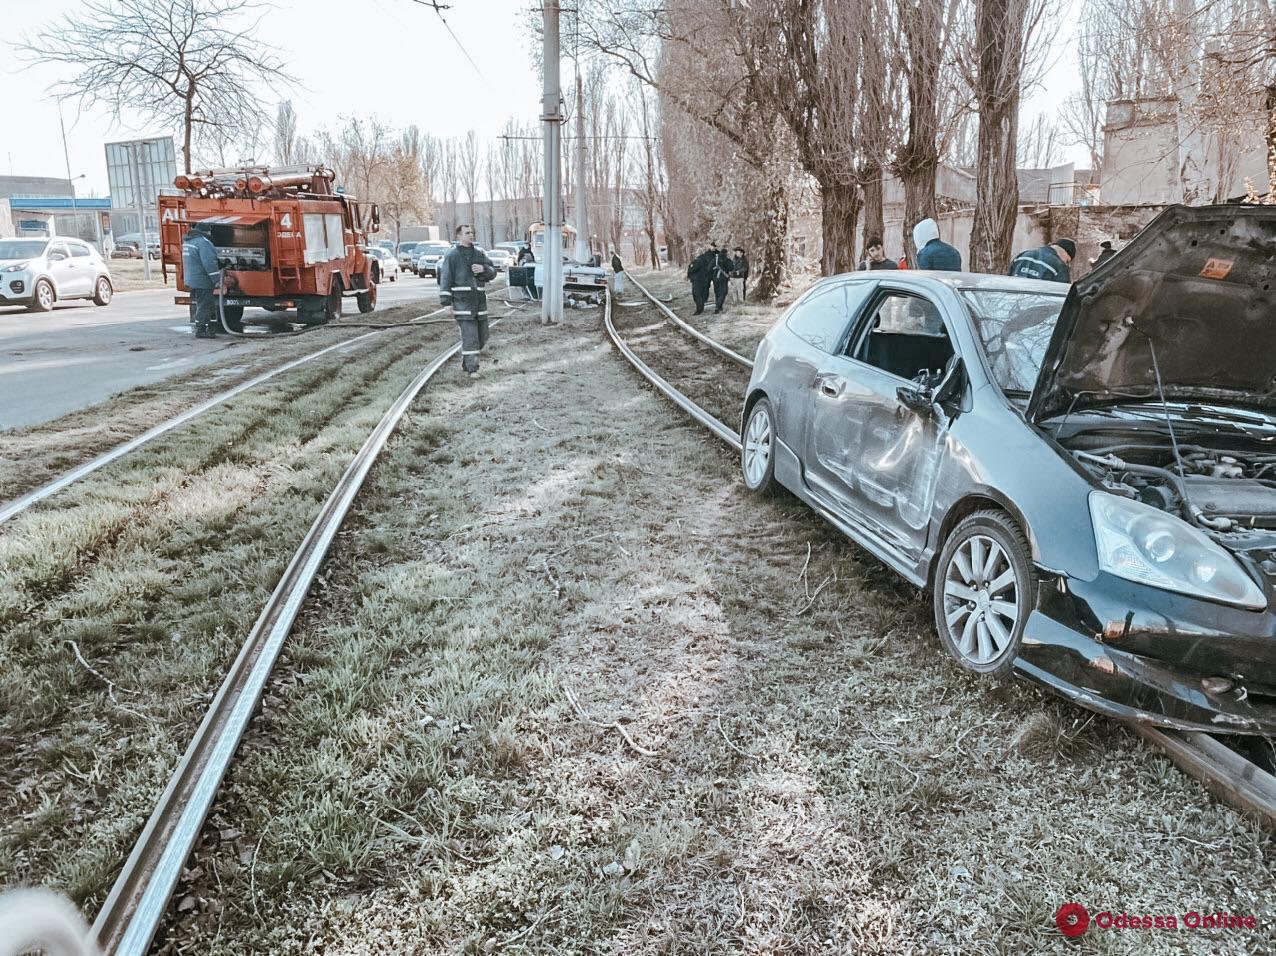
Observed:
{"x":16,"y":267}
{"x":1144,"y":544}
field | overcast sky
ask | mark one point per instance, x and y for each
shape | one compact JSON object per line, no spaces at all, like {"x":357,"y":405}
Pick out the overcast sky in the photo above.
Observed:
{"x":404,"y":69}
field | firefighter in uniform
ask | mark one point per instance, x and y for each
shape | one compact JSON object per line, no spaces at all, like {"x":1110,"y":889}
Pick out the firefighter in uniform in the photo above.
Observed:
{"x":201,"y":276}
{"x":462,"y":274}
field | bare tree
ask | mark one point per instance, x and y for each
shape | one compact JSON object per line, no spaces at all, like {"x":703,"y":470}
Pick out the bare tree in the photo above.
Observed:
{"x":1003,"y":39}
{"x":399,"y":185}
{"x":179,"y":63}
{"x":449,"y":184}
{"x":286,"y":134}
{"x":467,"y":167}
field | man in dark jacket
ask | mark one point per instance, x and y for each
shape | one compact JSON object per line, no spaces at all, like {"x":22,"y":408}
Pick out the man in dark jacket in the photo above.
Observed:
{"x":933,"y":252}
{"x":1106,"y":252}
{"x":1049,"y":262}
{"x":700,"y":273}
{"x":462,"y":274}
{"x":617,"y":273}
{"x":876,"y":258}
{"x":721,"y":274}
{"x":740,"y":270}
{"x":201,"y":276}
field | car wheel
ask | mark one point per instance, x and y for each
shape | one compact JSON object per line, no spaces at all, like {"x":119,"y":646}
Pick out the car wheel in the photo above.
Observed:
{"x":234,"y":315}
{"x":103,"y":292}
{"x":367,"y":301}
{"x":42,"y":296}
{"x":757,"y":450}
{"x":985,"y":588}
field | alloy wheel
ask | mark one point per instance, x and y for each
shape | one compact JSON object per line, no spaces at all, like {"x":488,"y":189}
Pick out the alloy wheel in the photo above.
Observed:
{"x":981,"y":599}
{"x":757,"y":446}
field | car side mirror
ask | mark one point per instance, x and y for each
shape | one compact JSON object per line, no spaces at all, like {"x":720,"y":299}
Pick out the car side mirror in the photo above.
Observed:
{"x":947,"y":390}
{"x":56,"y":257}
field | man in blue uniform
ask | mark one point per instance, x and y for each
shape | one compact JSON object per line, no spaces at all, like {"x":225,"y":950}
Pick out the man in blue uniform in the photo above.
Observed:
{"x":462,"y":274}
{"x":1049,"y":262}
{"x":201,"y":276}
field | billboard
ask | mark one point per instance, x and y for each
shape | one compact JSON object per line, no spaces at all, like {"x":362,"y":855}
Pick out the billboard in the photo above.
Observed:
{"x":140,"y":169}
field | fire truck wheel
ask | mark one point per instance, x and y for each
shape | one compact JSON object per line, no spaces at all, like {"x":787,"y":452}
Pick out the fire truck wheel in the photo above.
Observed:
{"x":235,"y":318}
{"x":332,"y":305}
{"x":367,"y":300}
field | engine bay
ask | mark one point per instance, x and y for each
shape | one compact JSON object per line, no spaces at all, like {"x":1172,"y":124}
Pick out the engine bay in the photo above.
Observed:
{"x":1223,"y":491}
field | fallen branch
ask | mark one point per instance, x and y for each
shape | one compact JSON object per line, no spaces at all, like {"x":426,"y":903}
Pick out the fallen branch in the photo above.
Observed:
{"x":614,"y":725}
{"x":825,"y":583}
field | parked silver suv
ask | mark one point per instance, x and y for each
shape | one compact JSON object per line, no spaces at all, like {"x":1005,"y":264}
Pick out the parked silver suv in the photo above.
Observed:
{"x":38,"y":272}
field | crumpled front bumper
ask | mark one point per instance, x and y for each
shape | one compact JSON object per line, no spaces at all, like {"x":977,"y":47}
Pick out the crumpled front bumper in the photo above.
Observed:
{"x":1138,"y":653}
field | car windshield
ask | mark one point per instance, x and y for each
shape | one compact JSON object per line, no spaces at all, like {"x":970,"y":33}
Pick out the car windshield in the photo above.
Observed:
{"x":22,"y":248}
{"x":1015,"y":328}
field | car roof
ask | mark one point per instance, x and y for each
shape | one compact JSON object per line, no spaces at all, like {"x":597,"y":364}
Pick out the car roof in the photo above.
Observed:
{"x":958,"y":281}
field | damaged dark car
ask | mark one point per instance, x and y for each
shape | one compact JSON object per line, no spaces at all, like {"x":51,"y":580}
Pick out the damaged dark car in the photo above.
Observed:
{"x":1085,"y":482}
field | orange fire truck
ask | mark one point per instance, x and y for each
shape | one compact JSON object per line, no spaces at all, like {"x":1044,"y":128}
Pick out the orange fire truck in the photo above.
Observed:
{"x":285,"y":239}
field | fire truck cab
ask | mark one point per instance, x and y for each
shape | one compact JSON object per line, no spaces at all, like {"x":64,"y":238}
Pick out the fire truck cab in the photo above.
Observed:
{"x":285,"y":239}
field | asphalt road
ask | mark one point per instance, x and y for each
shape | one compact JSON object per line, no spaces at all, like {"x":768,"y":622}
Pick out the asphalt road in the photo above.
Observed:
{"x":78,"y":354}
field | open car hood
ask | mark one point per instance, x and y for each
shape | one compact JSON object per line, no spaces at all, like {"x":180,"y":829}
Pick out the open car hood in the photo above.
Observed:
{"x":1197,"y":288}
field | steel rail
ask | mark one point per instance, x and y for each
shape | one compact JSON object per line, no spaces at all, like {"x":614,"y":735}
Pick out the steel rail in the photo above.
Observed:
{"x":695,"y":333}
{"x":1228,"y":775}
{"x":23,"y":502}
{"x":138,"y":900}
{"x":675,"y":396}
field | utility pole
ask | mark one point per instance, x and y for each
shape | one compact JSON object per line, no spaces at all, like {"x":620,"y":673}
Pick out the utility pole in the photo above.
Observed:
{"x":582,"y":191}
{"x":552,"y":117}
{"x":136,"y":170}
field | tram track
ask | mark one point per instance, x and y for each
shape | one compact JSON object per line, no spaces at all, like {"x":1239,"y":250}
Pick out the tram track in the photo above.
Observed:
{"x":23,"y":502}
{"x":1229,"y":775}
{"x":138,"y":901}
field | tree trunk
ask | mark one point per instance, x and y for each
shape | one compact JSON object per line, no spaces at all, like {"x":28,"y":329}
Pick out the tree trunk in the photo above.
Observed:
{"x":187,"y":121}
{"x":840,"y":210}
{"x":874,"y":223}
{"x":1271,"y":143}
{"x":770,"y":269}
{"x":999,"y":32}
{"x":918,"y":179}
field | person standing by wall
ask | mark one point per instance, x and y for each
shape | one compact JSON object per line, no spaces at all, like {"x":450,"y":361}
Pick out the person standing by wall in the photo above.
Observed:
{"x":1050,"y":262}
{"x":699,"y":272}
{"x":201,"y":276}
{"x":462,"y":274}
{"x":876,"y":258}
{"x":933,"y":252}
{"x":740,"y":270}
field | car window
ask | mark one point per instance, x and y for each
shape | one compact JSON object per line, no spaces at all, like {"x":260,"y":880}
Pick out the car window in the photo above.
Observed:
{"x":21,"y":248}
{"x":822,"y":317}
{"x":78,"y":250}
{"x":904,"y":336}
{"x":1014,"y":328}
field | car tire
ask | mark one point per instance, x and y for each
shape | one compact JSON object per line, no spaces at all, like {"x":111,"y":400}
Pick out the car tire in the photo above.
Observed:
{"x":234,"y":315}
{"x":985,"y":588}
{"x":102,"y":291}
{"x":42,"y":296}
{"x":367,"y":301}
{"x":757,"y":449}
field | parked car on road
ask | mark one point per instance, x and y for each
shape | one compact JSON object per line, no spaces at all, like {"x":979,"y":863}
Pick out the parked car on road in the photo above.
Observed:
{"x":407,"y":258}
{"x":501,"y":258}
{"x":387,"y":263}
{"x":429,"y":254}
{"x":129,"y":246}
{"x":1085,"y":482}
{"x":38,"y":272}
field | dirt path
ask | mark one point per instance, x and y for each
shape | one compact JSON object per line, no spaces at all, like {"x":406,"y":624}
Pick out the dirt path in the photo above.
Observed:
{"x":802,"y":770}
